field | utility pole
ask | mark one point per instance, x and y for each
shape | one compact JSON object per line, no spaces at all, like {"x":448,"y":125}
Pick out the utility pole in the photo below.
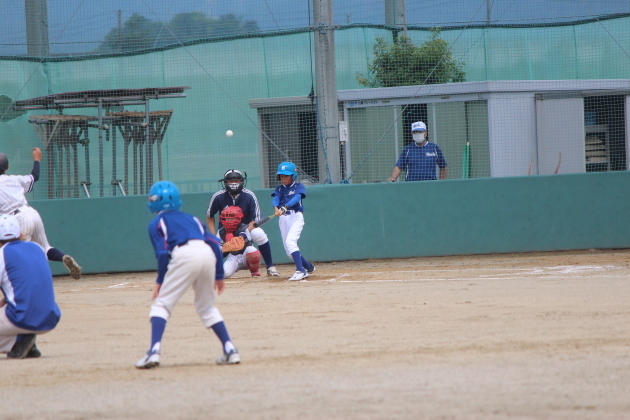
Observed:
{"x":488,"y":10}
{"x":326,"y":89}
{"x":119,"y":16}
{"x":396,"y":14}
{"x":37,"y":28}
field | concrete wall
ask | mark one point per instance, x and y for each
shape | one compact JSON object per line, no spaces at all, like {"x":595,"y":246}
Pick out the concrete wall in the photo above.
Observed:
{"x":385,"y":220}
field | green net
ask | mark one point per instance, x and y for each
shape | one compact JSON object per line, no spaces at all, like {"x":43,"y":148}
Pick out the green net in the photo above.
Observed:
{"x":503,"y":92}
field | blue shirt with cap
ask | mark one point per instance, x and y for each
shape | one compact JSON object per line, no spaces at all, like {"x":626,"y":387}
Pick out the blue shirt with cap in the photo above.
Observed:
{"x":27,"y":285}
{"x":290,"y":196}
{"x":419,"y":162}
{"x":175,"y":228}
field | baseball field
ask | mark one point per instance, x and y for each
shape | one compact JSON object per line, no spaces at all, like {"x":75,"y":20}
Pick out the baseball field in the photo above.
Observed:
{"x":516,"y":336}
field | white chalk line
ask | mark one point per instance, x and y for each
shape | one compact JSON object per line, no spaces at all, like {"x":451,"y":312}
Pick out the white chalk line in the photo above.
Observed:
{"x":547,"y":272}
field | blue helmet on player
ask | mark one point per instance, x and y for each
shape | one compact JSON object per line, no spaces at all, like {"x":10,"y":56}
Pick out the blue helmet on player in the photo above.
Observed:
{"x":287,"y":168}
{"x":164,"y":195}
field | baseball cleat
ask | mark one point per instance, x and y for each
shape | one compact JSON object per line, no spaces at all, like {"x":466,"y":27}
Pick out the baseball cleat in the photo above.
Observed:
{"x":22,"y":347}
{"x":255,"y":273}
{"x":33,"y":353}
{"x":150,"y":360}
{"x":72,"y":266}
{"x":298,"y":275}
{"x":312,"y":270}
{"x":231,"y":358}
{"x":271,"y":271}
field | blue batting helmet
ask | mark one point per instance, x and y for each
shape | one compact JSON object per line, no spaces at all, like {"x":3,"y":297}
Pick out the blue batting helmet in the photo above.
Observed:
{"x":164,"y":195}
{"x":287,"y":168}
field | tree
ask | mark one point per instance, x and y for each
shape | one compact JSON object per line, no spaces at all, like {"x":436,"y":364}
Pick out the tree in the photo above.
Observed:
{"x":404,"y":64}
{"x":138,"y":32}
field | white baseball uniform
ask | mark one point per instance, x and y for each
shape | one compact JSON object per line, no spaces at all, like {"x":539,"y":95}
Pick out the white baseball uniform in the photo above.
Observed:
{"x":13,"y":201}
{"x":235,"y":262}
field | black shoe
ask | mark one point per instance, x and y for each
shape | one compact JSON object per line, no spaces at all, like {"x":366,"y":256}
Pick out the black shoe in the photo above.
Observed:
{"x":22,"y":347}
{"x":34,"y":352}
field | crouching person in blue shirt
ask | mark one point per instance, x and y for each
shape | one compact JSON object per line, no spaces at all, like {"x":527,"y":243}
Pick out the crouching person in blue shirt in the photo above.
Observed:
{"x":28,"y":307}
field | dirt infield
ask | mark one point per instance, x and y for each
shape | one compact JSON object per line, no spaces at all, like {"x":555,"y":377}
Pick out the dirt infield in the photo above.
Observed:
{"x":518,"y":336}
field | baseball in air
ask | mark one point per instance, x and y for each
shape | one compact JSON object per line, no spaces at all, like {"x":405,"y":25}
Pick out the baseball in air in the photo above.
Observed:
{"x":229,"y":133}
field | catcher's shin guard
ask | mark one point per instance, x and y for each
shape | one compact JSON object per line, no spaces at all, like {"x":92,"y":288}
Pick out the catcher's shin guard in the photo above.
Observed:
{"x":253,"y":262}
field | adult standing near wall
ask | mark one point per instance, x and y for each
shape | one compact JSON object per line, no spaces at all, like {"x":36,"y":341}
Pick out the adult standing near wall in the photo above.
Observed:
{"x":420,"y":158}
{"x":28,"y":305}
{"x":13,"y":202}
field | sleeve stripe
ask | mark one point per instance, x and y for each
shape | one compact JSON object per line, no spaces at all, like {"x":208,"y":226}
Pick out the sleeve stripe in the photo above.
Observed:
{"x":214,"y":196}
{"x":253,"y":196}
{"x":32,"y":183}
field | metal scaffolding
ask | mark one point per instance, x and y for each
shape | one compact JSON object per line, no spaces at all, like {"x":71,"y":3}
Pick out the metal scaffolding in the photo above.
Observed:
{"x":142,"y":132}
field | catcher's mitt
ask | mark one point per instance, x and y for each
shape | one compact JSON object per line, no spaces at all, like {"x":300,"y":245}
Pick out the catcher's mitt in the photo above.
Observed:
{"x":235,"y":244}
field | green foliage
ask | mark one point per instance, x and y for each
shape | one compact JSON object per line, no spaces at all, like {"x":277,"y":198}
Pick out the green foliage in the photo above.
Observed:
{"x":404,"y":64}
{"x":138,"y":32}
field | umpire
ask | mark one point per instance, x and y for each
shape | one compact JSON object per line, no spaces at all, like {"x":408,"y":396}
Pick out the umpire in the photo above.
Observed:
{"x":28,"y":307}
{"x":235,"y":194}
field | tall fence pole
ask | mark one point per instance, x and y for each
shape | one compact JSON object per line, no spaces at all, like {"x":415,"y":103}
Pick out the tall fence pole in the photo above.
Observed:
{"x":326,"y":89}
{"x":37,"y":27}
{"x":396,"y":14}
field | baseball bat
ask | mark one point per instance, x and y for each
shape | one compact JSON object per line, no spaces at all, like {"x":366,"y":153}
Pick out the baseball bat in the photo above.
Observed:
{"x":259,"y":223}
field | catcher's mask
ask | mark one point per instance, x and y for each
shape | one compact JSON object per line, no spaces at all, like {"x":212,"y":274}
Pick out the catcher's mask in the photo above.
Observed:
{"x":164,"y":195}
{"x":234,"y":181}
{"x":231,"y":218}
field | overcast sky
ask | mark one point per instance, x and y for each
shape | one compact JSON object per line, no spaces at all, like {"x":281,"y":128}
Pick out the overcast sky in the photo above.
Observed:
{"x":80,"y":24}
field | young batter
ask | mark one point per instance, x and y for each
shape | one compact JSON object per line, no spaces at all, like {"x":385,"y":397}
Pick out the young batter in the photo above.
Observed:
{"x":187,"y":256}
{"x":13,"y":201}
{"x":287,"y":202}
{"x":246,"y":258}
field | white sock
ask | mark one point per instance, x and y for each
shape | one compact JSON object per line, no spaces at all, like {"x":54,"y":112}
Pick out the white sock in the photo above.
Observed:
{"x":228,"y":347}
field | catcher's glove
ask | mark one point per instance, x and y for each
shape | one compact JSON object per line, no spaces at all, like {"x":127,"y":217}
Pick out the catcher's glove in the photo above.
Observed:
{"x":233,"y":245}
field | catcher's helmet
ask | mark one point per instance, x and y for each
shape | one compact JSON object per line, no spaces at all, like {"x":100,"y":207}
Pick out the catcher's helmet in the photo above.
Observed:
{"x":231,"y":181}
{"x":9,"y":227}
{"x":4,"y":163}
{"x":231,"y":217}
{"x":287,"y":168}
{"x":164,"y":195}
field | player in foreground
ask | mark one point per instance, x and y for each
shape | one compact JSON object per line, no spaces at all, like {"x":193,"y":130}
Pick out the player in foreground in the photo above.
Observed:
{"x":287,"y":202}
{"x":187,"y":255}
{"x":235,"y":194}
{"x":13,"y":201}
{"x":28,"y":306}
{"x":237,"y":243}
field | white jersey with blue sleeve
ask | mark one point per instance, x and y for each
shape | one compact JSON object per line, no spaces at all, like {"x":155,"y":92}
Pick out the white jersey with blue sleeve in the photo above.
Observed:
{"x":27,"y":284}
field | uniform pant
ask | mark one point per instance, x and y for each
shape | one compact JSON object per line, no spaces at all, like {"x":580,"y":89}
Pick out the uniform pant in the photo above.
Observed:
{"x":32,"y":227}
{"x":291,"y":225}
{"x":233,"y":263}
{"x":259,"y":236}
{"x":193,"y":264}
{"x":9,"y":332}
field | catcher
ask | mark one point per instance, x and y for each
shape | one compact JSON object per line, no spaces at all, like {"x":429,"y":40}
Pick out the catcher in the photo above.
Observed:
{"x":237,"y":243}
